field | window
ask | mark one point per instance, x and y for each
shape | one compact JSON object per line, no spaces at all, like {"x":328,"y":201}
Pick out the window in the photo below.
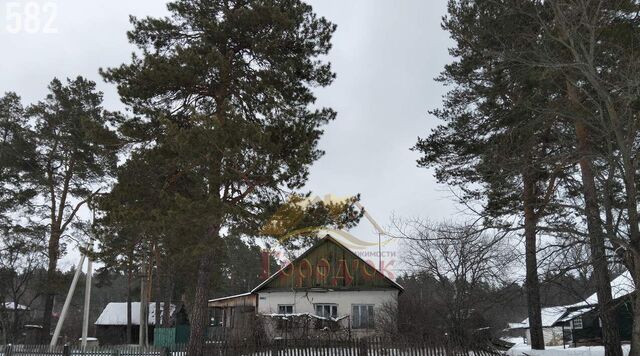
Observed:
{"x":362,"y":316}
{"x":216,"y":317}
{"x":576,"y":323}
{"x":285,"y":309}
{"x":327,"y":310}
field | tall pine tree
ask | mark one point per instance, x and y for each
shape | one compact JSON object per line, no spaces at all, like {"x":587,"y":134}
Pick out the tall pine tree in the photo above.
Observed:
{"x":224,"y":87}
{"x":75,"y":151}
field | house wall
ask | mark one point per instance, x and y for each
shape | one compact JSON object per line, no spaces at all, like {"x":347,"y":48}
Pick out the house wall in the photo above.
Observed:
{"x":304,"y":301}
{"x":552,"y":336}
{"x":591,"y":332}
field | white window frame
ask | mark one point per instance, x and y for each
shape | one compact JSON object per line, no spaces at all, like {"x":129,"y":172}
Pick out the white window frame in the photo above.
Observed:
{"x":356,"y":320}
{"x":577,"y":323}
{"x":280,"y":306}
{"x":332,"y":307}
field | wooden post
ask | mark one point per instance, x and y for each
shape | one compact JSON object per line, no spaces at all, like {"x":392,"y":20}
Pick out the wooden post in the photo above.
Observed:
{"x":66,"y":351}
{"x":165,"y":351}
{"x":362,"y":350}
{"x":142,"y":332}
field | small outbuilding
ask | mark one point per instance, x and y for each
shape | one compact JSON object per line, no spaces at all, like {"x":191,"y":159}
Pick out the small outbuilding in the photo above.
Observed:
{"x":111,"y":325}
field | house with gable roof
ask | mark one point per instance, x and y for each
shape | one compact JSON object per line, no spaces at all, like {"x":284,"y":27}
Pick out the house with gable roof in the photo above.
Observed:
{"x":579,"y":323}
{"x":326,"y":288}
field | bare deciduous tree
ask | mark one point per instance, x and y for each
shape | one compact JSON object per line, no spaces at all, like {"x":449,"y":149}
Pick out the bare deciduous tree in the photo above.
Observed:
{"x":463,"y":259}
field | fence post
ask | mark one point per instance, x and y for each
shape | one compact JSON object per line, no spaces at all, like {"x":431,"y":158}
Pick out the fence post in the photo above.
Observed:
{"x":8,"y":350}
{"x":66,"y":350}
{"x":165,"y":351}
{"x":362,"y":350}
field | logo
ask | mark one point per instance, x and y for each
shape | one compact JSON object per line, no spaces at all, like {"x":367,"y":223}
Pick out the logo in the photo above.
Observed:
{"x":313,"y":218}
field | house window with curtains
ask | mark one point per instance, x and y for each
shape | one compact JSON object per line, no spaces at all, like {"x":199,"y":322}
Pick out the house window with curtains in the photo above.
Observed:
{"x":362,"y":316}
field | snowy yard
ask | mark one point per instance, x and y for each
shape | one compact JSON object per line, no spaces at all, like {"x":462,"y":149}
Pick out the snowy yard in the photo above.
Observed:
{"x":525,"y":350}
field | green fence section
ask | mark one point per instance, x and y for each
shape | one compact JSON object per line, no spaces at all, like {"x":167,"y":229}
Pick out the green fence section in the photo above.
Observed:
{"x":164,"y":337}
{"x":170,"y":337}
{"x":182,"y":334}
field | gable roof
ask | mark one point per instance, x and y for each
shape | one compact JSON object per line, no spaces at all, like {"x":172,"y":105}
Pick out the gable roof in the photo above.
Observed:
{"x":327,"y":238}
{"x":116,"y":314}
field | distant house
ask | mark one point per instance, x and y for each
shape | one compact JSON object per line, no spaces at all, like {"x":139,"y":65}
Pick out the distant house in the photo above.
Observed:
{"x":552,"y":333}
{"x":111,"y":325}
{"x":13,"y":316}
{"x":326,"y":289}
{"x":579,"y":324}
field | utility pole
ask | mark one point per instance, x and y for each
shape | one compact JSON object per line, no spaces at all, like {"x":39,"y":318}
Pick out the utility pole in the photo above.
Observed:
{"x":87,"y":284}
{"x":72,"y":288}
{"x":67,"y":302}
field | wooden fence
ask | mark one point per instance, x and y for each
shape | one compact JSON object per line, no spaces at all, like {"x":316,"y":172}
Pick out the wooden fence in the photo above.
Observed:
{"x":66,"y":350}
{"x":307,"y":347}
{"x":353,"y":347}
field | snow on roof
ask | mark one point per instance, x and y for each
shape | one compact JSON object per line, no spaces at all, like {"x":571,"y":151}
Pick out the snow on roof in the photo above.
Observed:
{"x":620,"y":286}
{"x":116,"y":314}
{"x":549,"y":317}
{"x":14,"y":306}
{"x":576,"y":313}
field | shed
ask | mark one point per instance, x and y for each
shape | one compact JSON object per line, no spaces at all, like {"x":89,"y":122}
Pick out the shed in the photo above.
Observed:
{"x":111,"y":325}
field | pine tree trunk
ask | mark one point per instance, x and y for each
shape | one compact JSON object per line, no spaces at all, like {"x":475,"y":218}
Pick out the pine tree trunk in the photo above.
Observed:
{"x":199,"y":313}
{"x":633,"y":254}
{"x":53,"y":249}
{"x":129,"y":280}
{"x":635,"y":331}
{"x":3,"y":324}
{"x":157,"y":290}
{"x":15,"y":322}
{"x":532,"y":283}
{"x":607,"y":311}
{"x":199,"y":309}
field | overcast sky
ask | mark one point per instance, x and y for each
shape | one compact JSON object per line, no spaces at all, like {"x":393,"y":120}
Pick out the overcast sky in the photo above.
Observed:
{"x":385,"y":53}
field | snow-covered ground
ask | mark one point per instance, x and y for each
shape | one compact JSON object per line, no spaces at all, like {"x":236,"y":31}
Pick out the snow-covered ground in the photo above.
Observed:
{"x":525,"y":350}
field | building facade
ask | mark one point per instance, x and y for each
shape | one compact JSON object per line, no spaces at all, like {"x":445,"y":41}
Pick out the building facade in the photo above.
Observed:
{"x":328,"y":289}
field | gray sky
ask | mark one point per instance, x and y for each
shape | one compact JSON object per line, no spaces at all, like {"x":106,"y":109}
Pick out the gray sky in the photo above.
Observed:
{"x":385,"y":52}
